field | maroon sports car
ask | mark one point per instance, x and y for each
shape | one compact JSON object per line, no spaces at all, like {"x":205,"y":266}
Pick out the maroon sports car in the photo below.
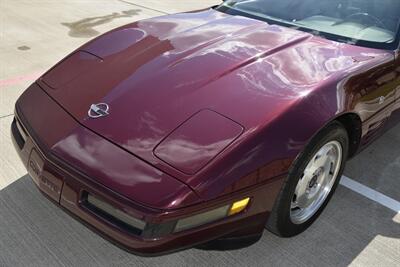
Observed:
{"x":212,"y":125}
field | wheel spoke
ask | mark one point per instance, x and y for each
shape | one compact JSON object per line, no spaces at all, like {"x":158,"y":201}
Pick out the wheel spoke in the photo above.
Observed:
{"x":312,"y":167}
{"x":302,"y":202}
{"x":322,"y":155}
{"x":301,"y":186}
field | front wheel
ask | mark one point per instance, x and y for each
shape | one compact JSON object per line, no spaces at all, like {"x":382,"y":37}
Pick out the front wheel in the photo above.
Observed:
{"x":311,"y":182}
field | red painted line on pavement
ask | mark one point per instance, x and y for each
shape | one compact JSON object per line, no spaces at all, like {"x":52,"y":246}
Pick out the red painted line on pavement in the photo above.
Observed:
{"x":20,"y":79}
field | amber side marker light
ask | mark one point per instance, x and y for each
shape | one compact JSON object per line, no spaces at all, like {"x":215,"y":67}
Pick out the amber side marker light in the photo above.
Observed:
{"x":239,"y":206}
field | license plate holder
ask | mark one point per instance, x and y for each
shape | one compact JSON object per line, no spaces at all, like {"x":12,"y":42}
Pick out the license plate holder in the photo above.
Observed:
{"x":47,"y":182}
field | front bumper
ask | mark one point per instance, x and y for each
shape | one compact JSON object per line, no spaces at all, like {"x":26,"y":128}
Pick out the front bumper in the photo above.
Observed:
{"x":68,"y":187}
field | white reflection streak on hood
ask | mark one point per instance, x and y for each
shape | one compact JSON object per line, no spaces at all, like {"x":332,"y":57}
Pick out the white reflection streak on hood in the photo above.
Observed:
{"x":89,"y":154}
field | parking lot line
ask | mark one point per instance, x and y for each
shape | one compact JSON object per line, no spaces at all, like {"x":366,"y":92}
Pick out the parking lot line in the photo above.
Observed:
{"x":20,"y":79}
{"x":371,"y":194}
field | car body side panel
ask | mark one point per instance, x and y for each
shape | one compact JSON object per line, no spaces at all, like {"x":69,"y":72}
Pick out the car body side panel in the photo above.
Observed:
{"x":395,"y":117}
{"x":372,"y":95}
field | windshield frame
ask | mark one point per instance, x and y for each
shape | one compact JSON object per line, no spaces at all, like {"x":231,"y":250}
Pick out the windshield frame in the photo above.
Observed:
{"x":393,"y":46}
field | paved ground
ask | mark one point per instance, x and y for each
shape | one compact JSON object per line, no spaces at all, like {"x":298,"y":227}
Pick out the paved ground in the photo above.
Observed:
{"x":34,"y":35}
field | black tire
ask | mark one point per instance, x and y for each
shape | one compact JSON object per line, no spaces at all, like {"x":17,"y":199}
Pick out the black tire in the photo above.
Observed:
{"x":279,"y":221}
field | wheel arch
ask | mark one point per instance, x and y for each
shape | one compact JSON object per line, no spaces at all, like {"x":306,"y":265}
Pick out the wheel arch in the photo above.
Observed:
{"x":353,"y":125}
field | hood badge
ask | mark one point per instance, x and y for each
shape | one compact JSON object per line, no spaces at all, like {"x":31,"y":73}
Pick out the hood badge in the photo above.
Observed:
{"x":98,"y":110}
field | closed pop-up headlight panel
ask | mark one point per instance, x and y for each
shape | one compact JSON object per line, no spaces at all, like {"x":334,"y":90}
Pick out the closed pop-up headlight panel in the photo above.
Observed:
{"x":70,"y":68}
{"x":198,"y":140}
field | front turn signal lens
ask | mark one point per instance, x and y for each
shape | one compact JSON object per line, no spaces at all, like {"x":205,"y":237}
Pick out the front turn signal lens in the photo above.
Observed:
{"x":212,"y":215}
{"x":239,"y":206}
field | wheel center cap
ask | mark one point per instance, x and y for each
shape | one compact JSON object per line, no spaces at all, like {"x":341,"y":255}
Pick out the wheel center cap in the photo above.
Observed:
{"x":316,"y":177}
{"x":313,"y":182}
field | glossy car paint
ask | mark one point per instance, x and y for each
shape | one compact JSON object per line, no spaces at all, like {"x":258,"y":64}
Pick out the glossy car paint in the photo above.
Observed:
{"x":65,"y":184}
{"x":276,"y":86}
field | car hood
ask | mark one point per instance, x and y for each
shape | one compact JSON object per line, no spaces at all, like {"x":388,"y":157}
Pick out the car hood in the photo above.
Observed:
{"x":183,"y":88}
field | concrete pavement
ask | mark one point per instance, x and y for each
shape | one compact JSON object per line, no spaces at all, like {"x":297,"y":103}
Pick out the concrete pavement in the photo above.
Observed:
{"x":34,"y":35}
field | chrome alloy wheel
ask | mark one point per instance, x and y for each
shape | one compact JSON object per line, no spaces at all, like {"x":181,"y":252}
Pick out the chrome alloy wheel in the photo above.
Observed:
{"x":316,"y":182}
